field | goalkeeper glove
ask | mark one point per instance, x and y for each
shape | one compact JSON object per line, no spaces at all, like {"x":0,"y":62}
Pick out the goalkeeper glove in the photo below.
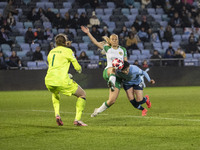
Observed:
{"x":70,"y":75}
{"x":79,"y":71}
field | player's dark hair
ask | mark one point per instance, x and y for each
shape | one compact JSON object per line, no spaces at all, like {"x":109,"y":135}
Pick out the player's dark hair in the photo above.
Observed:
{"x":61,"y":40}
{"x":126,"y":65}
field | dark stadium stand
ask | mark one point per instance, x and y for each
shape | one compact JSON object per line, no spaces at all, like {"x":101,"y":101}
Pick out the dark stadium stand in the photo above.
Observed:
{"x":108,"y":14}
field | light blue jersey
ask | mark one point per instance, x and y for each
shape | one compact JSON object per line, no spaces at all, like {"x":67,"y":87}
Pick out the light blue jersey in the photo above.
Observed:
{"x":134,"y":76}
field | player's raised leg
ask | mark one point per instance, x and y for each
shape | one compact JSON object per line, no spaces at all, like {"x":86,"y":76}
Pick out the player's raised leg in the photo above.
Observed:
{"x":111,"y":78}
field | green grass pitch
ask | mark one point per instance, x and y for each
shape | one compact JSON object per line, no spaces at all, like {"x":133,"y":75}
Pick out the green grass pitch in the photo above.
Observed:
{"x":173,"y":123}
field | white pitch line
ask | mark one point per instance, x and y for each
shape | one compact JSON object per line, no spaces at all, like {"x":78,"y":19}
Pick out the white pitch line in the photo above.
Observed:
{"x":127,"y":116}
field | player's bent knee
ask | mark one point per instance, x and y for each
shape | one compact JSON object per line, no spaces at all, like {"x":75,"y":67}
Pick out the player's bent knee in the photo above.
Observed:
{"x":110,"y":102}
{"x":110,"y":71}
{"x":83,"y":94}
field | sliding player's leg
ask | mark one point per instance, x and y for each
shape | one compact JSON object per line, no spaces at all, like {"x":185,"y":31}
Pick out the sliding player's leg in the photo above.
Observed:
{"x":112,"y":98}
{"x":136,"y":102}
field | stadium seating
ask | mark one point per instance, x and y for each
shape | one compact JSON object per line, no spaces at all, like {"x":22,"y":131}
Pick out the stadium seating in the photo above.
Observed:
{"x":133,"y":57}
{"x":146,"y":52}
{"x":1,"y":11}
{"x":140,"y":45}
{"x":25,"y":46}
{"x":136,"y":52}
{"x":86,"y":39}
{"x":47,"y":25}
{"x":143,"y":57}
{"x":196,"y":56}
{"x":137,"y":4}
{"x":54,"y":10}
{"x":7,"y":53}
{"x":157,"y":17}
{"x":185,"y":37}
{"x":110,"y":4}
{"x":151,"y":10}
{"x":131,"y":18}
{"x":175,"y":44}
{"x":128,"y":24}
{"x":19,"y":25}
{"x":42,"y":65}
{"x":20,"y":39}
{"x":159,"y":11}
{"x":63,"y":11}
{"x":67,"y":4}
{"x":106,"y":18}
{"x":5,"y":47}
{"x":40,"y":5}
{"x":99,"y":11}
{"x":75,"y":45}
{"x":83,"y":45}
{"x":114,"y":18}
{"x":108,"y":11}
{"x":21,"y":54}
{"x":3,"y":4}
{"x":157,"y":45}
{"x":31,"y":65}
{"x":189,"y":55}
{"x":191,"y":62}
{"x":54,"y":31}
{"x":163,"y":23}
{"x":33,"y":46}
{"x":94,"y":57}
{"x":61,"y":30}
{"x":49,"y":5}
{"x":28,"y":24}
{"x":125,"y":11}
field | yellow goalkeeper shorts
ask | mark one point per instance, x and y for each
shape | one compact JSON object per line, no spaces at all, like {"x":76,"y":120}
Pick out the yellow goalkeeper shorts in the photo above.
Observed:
{"x":68,"y":90}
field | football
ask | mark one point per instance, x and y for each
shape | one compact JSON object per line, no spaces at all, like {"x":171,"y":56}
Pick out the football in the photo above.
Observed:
{"x":117,"y":63}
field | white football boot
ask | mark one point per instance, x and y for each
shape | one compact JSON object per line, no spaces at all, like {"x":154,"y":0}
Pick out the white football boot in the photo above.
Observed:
{"x":95,"y":113}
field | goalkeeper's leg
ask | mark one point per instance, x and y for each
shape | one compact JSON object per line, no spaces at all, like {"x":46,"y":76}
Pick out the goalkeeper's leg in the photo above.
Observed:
{"x":56,"y":105}
{"x":80,"y":105}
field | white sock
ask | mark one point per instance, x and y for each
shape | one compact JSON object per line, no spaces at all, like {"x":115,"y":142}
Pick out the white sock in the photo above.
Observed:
{"x":102,"y":108}
{"x":112,"y":78}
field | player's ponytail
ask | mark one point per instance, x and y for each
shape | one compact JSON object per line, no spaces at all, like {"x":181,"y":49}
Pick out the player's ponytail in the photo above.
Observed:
{"x":61,"y":39}
{"x":107,"y":40}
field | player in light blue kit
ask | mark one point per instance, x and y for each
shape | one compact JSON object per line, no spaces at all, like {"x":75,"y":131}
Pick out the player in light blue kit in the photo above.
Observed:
{"x":132,"y":83}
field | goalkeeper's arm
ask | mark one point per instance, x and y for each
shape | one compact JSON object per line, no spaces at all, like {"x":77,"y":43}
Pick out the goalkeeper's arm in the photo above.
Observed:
{"x":77,"y":66}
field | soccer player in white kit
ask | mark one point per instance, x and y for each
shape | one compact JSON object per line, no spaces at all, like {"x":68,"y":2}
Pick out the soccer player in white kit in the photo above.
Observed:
{"x":113,"y":50}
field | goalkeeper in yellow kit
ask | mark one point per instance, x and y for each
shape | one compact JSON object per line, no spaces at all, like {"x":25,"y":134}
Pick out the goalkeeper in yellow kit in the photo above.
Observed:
{"x":57,"y":79}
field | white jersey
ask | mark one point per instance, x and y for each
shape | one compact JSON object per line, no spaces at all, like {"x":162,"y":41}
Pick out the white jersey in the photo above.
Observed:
{"x":111,"y":54}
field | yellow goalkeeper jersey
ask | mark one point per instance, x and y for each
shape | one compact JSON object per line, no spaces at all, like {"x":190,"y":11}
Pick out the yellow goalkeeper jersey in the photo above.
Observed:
{"x":59,"y":60}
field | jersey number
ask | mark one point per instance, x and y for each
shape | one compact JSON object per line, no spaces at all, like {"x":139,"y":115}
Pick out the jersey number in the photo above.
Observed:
{"x":53,"y":59}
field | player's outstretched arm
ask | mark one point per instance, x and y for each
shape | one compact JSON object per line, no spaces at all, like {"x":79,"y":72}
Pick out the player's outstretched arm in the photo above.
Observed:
{"x":87,"y":31}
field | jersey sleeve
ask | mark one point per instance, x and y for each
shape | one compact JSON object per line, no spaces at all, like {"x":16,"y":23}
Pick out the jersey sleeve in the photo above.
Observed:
{"x":105,"y":48}
{"x":125,"y":52}
{"x":141,"y":72}
{"x":146,"y":75}
{"x":73,"y":60}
